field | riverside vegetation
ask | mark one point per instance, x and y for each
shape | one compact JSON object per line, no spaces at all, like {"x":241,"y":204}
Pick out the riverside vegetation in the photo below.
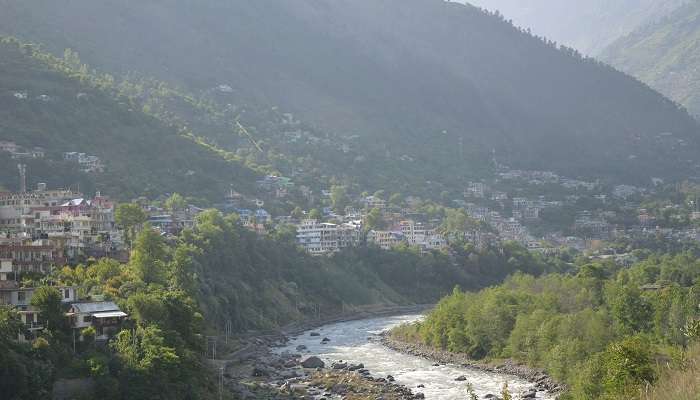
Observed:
{"x":177,"y":292}
{"x":606,"y":331}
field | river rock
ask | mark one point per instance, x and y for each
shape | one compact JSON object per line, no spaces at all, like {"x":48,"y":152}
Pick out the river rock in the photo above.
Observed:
{"x":325,"y":340}
{"x":390,"y":378}
{"x":356,"y":367}
{"x":461,"y":378}
{"x":340,"y":365}
{"x":530,"y":395}
{"x":314,"y":334}
{"x":339,"y":388}
{"x":301,"y":347}
{"x":313,"y":362}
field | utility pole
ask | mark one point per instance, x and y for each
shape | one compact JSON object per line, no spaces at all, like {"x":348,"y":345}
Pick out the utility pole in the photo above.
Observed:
{"x":221,"y":383}
{"x":228,"y":329}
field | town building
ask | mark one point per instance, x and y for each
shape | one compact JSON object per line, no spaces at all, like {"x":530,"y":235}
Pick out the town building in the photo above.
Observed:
{"x":104,"y":316}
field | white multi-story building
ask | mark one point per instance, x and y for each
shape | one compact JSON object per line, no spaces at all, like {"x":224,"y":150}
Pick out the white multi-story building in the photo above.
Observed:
{"x":385,"y":239}
{"x":324,"y":237}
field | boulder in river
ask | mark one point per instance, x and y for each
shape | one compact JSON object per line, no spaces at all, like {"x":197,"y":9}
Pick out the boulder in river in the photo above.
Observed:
{"x":461,"y":378}
{"x":356,"y":367}
{"x":340,"y":365}
{"x":301,"y":347}
{"x":314,"y":334}
{"x":313,"y":362}
{"x":390,"y":378}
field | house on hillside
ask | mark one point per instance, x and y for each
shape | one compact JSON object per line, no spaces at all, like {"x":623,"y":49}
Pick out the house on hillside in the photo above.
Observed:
{"x":105,"y":316}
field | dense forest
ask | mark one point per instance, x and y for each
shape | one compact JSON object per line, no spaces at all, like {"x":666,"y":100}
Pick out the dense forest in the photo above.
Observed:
{"x":608,"y":332}
{"x":443,"y":112}
{"x":663,"y":54}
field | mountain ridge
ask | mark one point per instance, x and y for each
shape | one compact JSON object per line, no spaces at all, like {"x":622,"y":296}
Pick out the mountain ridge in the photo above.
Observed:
{"x":438,"y":83}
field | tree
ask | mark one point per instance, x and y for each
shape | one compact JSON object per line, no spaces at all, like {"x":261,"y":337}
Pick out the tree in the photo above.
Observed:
{"x":297,"y":213}
{"x":149,"y":257}
{"x":10,"y":325}
{"x":374,"y":220}
{"x":47,"y":300}
{"x":632,"y":311}
{"x":315,"y":214}
{"x":396,"y":199}
{"x":175,"y":202}
{"x":628,"y":364}
{"x":128,"y":216}
{"x":339,"y":198}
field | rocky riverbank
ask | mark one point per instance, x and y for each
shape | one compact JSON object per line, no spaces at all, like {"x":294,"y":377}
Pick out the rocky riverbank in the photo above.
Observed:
{"x":255,"y":371}
{"x":542,"y":381}
{"x":263,"y":374}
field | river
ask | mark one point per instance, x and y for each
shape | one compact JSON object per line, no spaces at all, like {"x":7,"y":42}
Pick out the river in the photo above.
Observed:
{"x":349,"y":342}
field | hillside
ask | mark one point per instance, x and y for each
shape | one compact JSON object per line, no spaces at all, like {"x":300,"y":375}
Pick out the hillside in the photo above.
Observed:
{"x":416,"y":93}
{"x":42,"y":107}
{"x":588,"y":26}
{"x":664,"y":55}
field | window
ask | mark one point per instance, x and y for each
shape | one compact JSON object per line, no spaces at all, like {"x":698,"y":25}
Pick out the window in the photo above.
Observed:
{"x":87,"y":319}
{"x":21,"y":297}
{"x":66,"y":294}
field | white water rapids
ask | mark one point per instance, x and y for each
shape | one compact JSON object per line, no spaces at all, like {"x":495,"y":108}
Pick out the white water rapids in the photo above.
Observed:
{"x":349,"y":342}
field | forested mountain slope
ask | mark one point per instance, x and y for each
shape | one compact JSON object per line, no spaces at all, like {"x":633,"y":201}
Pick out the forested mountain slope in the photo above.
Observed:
{"x":666,"y":55}
{"x":40,"y":106}
{"x":412,"y":90}
{"x":588,"y":26}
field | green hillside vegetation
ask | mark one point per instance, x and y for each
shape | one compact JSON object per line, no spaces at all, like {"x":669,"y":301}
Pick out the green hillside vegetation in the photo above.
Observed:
{"x":214,"y":274}
{"x":157,"y":355}
{"x":418,"y":127}
{"x":264,"y":282}
{"x":598,"y":331}
{"x":664,"y":55}
{"x":142,"y":156}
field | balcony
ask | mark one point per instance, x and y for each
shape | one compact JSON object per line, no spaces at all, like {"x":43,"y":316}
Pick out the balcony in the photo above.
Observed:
{"x":34,"y":326}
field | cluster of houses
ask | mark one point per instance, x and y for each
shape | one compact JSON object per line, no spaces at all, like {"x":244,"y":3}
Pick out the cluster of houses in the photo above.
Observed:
{"x":104,"y":316}
{"x":18,"y":152}
{"x":87,"y":163}
{"x":42,"y":229}
{"x":320,"y":238}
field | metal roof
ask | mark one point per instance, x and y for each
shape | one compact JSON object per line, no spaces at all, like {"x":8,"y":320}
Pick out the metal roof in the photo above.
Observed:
{"x":95,"y":307}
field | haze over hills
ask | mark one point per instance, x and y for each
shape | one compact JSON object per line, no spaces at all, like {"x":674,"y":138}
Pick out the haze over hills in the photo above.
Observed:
{"x":664,"y":55}
{"x":414,"y":90}
{"x":588,"y":26}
